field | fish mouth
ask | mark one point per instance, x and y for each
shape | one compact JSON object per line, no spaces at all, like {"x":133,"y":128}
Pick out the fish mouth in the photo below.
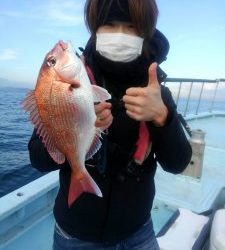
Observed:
{"x":63,"y":45}
{"x":60,"y":47}
{"x":68,"y":67}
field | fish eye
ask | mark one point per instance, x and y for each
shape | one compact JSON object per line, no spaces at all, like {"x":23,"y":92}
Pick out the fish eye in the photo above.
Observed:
{"x":51,"y":61}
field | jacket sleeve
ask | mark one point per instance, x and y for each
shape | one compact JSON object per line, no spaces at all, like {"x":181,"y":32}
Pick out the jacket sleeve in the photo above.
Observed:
{"x":39,"y":156}
{"x":170,"y":145}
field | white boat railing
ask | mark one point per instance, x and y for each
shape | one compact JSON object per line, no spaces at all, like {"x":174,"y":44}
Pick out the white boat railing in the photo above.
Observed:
{"x":195,"y":99}
{"x":24,"y":212}
{"x":190,"y":94}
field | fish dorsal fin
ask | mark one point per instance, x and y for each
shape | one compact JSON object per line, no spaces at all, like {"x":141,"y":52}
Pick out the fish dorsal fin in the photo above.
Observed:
{"x":96,"y":144}
{"x":100,"y":94}
{"x":30,"y":105}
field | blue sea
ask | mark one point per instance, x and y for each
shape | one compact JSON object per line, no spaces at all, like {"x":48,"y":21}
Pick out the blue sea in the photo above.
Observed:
{"x":15,"y":132}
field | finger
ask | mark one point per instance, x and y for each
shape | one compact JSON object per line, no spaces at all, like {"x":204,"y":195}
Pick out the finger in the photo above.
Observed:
{"x":133,"y":115}
{"x":133,"y":109}
{"x":132,"y":100}
{"x":104,"y":114}
{"x":134,"y":91}
{"x":152,"y":75}
{"x":104,"y":123}
{"x":101,"y":106}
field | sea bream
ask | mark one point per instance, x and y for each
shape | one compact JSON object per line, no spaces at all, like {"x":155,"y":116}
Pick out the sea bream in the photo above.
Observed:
{"x":61,"y":107}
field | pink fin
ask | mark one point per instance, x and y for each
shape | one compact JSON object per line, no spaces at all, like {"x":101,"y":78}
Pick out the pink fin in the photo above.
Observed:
{"x":30,"y":105}
{"x":95,"y":146}
{"x":100,"y":94}
{"x":81,"y":184}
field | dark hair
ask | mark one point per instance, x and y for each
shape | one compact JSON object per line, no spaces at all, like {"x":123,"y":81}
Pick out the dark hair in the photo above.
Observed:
{"x":143,"y":15}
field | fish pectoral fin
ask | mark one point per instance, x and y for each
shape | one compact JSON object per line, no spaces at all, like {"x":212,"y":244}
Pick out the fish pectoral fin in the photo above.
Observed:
{"x":95,"y":146}
{"x":81,"y":183}
{"x":100,"y":94}
{"x":30,"y":105}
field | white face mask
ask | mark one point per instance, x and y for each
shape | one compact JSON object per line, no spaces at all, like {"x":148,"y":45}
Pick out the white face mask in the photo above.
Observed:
{"x":119,"y":47}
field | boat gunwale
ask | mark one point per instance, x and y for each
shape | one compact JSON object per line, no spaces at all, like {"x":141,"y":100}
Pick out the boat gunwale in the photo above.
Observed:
{"x":21,"y":197}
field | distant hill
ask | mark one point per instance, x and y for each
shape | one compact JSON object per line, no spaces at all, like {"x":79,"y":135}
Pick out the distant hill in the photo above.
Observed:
{"x":15,"y":84}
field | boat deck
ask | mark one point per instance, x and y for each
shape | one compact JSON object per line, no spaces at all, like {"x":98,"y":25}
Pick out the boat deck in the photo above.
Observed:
{"x":198,"y":195}
{"x":26,"y":218}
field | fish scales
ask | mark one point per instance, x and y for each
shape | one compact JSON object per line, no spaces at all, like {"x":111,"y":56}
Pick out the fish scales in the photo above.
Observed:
{"x":64,"y":116}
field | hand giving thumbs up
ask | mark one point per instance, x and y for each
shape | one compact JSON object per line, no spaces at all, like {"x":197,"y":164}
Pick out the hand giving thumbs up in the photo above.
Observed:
{"x":145,"y":103}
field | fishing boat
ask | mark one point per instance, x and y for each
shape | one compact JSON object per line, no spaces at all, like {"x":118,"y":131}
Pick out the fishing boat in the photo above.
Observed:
{"x":26,"y":218}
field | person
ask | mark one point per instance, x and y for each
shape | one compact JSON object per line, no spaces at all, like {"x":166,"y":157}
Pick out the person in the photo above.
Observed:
{"x":123,"y":54}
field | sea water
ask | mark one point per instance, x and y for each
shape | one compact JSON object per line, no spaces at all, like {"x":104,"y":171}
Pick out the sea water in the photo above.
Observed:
{"x":15,"y":132}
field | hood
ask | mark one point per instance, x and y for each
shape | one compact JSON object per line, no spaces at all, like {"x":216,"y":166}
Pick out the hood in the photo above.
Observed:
{"x":160,"y":46}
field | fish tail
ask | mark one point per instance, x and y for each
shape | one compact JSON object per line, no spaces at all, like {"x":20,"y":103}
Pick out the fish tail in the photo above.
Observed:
{"x":81,"y":183}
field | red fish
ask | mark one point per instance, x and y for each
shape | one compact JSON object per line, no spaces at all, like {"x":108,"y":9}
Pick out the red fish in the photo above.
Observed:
{"x":64,"y":116}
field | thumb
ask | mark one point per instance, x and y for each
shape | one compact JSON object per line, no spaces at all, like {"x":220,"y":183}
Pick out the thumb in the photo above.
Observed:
{"x":152,"y":75}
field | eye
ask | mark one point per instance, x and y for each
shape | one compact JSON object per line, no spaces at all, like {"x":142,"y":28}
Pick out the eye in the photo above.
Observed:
{"x":51,"y":61}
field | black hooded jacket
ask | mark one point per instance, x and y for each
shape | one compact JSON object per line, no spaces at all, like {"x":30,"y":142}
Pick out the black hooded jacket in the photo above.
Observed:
{"x":127,"y":195}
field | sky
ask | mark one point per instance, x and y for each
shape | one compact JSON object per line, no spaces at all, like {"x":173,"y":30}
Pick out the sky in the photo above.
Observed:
{"x":29,"y":29}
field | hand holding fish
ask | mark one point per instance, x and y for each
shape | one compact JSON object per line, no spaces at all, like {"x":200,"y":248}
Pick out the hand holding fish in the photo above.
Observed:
{"x":145,"y":103}
{"x":104,"y":116}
